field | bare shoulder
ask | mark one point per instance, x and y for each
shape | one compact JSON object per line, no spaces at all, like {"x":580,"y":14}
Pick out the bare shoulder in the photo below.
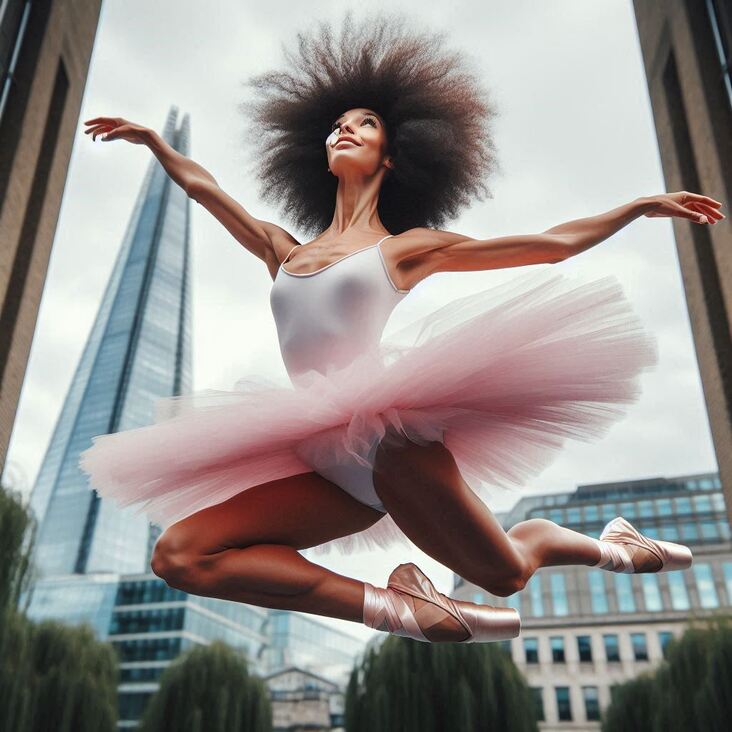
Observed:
{"x":414,"y":252}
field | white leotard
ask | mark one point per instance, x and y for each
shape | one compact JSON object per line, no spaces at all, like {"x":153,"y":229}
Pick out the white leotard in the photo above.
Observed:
{"x":326,"y":318}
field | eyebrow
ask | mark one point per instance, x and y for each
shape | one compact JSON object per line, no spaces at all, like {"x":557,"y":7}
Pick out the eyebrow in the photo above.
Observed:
{"x":365,"y":114}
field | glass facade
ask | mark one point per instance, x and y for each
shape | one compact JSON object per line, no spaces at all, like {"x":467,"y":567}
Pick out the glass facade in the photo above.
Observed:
{"x":705,"y":584}
{"x":677,"y":590}
{"x":535,"y":593}
{"x":598,"y":595}
{"x":624,"y":593}
{"x":138,"y":350}
{"x":651,"y":592}
{"x":559,"y":593}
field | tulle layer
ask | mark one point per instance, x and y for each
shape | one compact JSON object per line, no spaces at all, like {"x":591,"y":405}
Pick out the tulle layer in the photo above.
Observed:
{"x":503,"y":377}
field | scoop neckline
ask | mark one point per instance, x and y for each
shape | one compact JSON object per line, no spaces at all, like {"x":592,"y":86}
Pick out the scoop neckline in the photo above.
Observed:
{"x":340,"y":259}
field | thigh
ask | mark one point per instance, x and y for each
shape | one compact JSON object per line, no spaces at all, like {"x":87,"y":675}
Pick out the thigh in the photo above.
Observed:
{"x":301,"y":511}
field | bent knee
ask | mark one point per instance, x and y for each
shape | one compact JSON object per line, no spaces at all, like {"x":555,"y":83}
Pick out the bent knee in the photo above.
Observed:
{"x":180,"y":569}
{"x":512,"y":580}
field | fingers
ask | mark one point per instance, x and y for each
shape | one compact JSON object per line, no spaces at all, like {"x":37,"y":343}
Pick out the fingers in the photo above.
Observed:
{"x":711,"y":212}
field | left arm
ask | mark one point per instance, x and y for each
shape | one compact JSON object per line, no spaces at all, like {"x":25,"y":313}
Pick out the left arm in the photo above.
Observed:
{"x":450,"y":252}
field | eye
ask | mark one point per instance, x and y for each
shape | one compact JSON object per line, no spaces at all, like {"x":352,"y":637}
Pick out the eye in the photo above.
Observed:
{"x":366,"y":119}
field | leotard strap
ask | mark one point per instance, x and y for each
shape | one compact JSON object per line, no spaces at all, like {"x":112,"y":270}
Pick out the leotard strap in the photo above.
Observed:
{"x":290,"y":252}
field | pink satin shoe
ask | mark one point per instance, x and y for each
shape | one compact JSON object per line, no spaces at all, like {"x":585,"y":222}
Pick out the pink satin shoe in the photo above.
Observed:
{"x":624,"y":549}
{"x":386,"y":609}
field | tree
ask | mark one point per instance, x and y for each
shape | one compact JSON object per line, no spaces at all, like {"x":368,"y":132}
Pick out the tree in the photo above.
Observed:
{"x":691,"y":691}
{"x":209,"y":688}
{"x":52,"y":676}
{"x":423,"y":687}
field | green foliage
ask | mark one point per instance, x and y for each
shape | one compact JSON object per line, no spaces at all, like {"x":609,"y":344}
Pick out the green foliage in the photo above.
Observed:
{"x":690,"y":692}
{"x":56,"y":677}
{"x":429,"y":687}
{"x":18,"y":528}
{"x":52,"y":676}
{"x":209,"y":689}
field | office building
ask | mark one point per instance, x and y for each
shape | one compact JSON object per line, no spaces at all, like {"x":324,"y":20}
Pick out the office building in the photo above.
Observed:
{"x":586,"y":629}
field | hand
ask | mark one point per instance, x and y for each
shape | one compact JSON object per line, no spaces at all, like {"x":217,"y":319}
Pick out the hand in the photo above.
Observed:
{"x":693,"y":206}
{"x":117,"y":128}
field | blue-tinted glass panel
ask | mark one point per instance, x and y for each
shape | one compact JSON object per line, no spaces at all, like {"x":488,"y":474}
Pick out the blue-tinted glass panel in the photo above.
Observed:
{"x":677,"y":590}
{"x":592,"y":702}
{"x":598,"y":596}
{"x":624,"y":591}
{"x":705,"y":585}
{"x":645,"y":509}
{"x":664,"y":637}
{"x":564,"y":708}
{"x":559,"y":594}
{"x":727,"y":573}
{"x":651,"y":592}
{"x":584,"y":648}
{"x":556,"y":642}
{"x":537,"y":602}
{"x":640,"y":646}
{"x":531,"y":650}
{"x":663,"y":507}
{"x":612,"y":647}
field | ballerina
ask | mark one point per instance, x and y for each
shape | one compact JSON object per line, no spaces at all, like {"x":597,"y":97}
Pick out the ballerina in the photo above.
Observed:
{"x":384,"y":440}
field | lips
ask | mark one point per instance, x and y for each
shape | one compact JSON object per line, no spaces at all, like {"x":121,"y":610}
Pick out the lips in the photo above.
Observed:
{"x":345,"y":139}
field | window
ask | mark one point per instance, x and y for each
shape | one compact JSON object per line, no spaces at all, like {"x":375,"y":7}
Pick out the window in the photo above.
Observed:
{"x":537,"y":603}
{"x":564,"y":708}
{"x":612,"y":648}
{"x":664,"y":637}
{"x":677,"y":590}
{"x":531,"y":650}
{"x":584,"y":648}
{"x":705,"y":585}
{"x":598,"y":596}
{"x":538,"y":697}
{"x":559,"y":594}
{"x":727,"y":570}
{"x":640,"y":646}
{"x":514,"y":601}
{"x":624,"y":590}
{"x":557,"y":646}
{"x":592,"y":702}
{"x":651,"y":592}
{"x":478,"y":598}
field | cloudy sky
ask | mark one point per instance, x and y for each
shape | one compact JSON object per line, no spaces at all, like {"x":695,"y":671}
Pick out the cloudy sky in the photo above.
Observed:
{"x":575,"y":137}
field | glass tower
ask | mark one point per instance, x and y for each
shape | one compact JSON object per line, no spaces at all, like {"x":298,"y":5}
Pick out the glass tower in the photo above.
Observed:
{"x":138,"y":350}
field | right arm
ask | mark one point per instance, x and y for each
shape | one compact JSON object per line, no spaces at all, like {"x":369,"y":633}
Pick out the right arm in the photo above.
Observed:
{"x":261,"y":238}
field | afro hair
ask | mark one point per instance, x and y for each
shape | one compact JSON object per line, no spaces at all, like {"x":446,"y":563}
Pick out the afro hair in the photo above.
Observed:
{"x":436,"y":116}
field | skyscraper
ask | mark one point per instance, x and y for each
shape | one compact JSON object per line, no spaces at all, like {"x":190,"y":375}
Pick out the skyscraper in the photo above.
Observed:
{"x":138,"y":350}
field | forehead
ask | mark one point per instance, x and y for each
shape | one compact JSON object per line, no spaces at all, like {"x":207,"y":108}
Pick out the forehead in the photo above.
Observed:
{"x":360,"y":110}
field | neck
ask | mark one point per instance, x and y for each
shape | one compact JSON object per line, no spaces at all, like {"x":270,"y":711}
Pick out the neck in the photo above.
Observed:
{"x":356,"y":205}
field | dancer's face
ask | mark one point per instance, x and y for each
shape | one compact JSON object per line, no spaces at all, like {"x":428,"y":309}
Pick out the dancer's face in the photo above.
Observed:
{"x":367,"y":154}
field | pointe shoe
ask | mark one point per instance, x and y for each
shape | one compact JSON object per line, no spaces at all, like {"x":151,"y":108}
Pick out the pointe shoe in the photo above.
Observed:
{"x":386,"y":609}
{"x":624,"y":549}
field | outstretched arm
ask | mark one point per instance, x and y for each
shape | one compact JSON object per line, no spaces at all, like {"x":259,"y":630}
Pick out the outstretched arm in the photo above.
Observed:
{"x":261,"y":238}
{"x":450,"y":252}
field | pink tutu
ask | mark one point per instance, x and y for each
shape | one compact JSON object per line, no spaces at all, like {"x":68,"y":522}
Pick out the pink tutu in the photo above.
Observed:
{"x":502,"y":377}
